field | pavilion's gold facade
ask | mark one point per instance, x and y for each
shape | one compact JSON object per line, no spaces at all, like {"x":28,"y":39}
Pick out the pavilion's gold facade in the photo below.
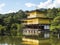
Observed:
{"x":36,"y":23}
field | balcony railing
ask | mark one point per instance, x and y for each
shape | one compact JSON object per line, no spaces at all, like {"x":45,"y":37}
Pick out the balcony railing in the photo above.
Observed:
{"x":28,"y":31}
{"x":28,"y":23}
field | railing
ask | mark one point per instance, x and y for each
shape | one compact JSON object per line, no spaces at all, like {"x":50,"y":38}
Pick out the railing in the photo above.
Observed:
{"x":29,"y":31}
{"x":28,"y":23}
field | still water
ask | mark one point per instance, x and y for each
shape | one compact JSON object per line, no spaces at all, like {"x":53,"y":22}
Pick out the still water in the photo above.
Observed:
{"x":9,"y":40}
{"x":14,"y":40}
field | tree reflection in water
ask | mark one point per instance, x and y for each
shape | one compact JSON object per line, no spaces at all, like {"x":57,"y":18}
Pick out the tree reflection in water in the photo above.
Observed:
{"x":14,"y":40}
{"x":9,"y":40}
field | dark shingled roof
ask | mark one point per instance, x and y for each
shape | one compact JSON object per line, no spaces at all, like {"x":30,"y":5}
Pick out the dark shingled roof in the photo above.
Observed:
{"x":39,"y":10}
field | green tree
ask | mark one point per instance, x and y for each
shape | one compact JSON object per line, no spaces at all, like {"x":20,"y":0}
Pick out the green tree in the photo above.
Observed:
{"x":55,"y":29}
{"x":52,"y":13}
{"x":56,"y":23}
{"x":21,"y":14}
{"x":2,"y":30}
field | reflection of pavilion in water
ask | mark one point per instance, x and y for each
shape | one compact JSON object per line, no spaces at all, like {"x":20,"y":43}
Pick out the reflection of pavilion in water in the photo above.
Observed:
{"x":30,"y":41}
{"x":36,"y":24}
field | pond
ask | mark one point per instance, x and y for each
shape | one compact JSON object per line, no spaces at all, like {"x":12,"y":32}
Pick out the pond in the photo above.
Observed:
{"x":10,"y":40}
{"x":16,"y":40}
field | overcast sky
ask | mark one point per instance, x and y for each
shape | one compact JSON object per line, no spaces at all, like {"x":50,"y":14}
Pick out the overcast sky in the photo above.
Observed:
{"x":8,"y":6}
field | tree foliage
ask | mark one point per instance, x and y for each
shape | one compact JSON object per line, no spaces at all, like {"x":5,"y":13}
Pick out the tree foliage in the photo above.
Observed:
{"x":10,"y":23}
{"x":52,"y":13}
{"x":56,"y":24}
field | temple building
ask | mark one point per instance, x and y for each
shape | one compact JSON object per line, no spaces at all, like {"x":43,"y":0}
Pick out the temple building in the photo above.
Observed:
{"x":36,"y":24}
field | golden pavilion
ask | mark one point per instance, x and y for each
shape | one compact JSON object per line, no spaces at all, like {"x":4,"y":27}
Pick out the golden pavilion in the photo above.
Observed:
{"x":36,"y":24}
